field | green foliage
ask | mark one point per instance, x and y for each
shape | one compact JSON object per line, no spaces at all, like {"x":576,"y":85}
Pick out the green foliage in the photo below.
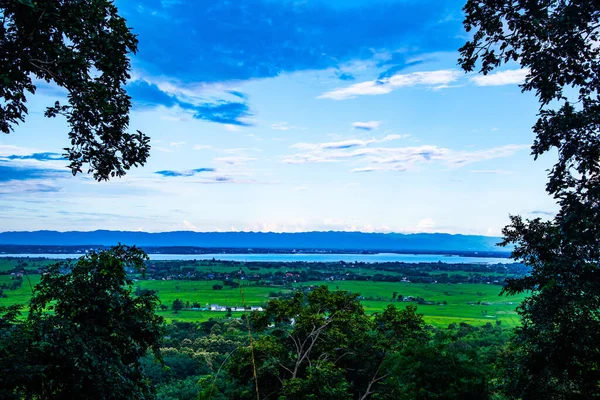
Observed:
{"x":436,"y":372}
{"x":83,"y":47}
{"x":85,"y":332}
{"x":323,"y":381}
{"x":556,"y":347}
{"x":16,"y":355}
{"x":322,"y":345}
{"x":177,"y":305}
{"x":185,"y":389}
{"x":210,"y":389}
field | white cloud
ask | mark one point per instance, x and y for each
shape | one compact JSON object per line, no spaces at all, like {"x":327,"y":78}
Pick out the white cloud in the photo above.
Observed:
{"x":7,"y":150}
{"x":193,"y":93}
{"x":345,"y":144}
{"x":11,"y":154}
{"x":238,"y":150}
{"x":29,"y":187}
{"x":231,"y":128}
{"x":426,"y":224}
{"x":177,"y":144}
{"x":369,"y":88}
{"x":173,"y":113}
{"x":254,"y":137}
{"x":203,"y":147}
{"x":367,"y":126}
{"x":392,"y":158}
{"x":189,"y":226}
{"x":397,"y":168}
{"x":393,"y":137}
{"x":283,"y":126}
{"x":510,"y":77}
{"x":318,"y":224}
{"x":383,"y":86}
{"x":235,"y":160}
{"x":491,"y":171}
{"x":493,"y":232}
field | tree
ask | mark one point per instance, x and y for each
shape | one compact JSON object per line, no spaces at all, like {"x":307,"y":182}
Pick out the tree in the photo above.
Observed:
{"x":436,"y":371}
{"x":556,"y":41}
{"x":322,"y":345}
{"x":177,"y":305}
{"x":294,"y":359}
{"x":85,"y":332}
{"x":83,"y":47}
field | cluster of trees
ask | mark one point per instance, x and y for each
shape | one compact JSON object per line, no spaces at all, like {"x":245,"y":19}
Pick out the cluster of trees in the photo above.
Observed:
{"x":285,"y":273}
{"x":322,"y":345}
{"x":14,"y":284}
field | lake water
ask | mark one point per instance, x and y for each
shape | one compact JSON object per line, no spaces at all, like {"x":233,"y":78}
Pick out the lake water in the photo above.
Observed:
{"x":369,"y":258}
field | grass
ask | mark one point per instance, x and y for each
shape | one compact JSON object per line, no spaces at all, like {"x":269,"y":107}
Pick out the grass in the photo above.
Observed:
{"x":457,"y":296}
{"x":20,"y":295}
{"x":194,"y":316}
{"x":203,"y":293}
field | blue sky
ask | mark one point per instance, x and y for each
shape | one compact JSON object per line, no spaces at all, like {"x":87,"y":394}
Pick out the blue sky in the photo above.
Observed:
{"x":277,"y":115}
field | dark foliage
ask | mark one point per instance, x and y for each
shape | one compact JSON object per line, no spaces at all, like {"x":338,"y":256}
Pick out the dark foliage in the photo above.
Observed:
{"x":83,"y":47}
{"x":557,"y":41}
{"x":85,"y":332}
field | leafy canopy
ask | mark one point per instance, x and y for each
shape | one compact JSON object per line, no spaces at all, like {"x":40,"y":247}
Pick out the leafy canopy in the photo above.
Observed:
{"x":85,"y":332}
{"x":322,"y":345}
{"x":83,"y":47}
{"x":558,"y":42}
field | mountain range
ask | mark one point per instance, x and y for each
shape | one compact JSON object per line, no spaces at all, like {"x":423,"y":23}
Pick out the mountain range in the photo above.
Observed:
{"x":330,"y":240}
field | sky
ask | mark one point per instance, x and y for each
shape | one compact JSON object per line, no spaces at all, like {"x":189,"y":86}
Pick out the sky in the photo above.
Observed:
{"x":289,"y":116}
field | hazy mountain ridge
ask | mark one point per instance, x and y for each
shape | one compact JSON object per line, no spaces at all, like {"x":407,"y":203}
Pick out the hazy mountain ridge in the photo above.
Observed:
{"x":305,"y":240}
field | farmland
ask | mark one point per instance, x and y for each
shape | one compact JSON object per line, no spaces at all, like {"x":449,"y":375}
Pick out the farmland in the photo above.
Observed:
{"x":440,"y":303}
{"x":492,"y":307}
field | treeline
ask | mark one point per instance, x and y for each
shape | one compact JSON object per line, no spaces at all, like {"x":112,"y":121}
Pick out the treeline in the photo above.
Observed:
{"x":285,"y":273}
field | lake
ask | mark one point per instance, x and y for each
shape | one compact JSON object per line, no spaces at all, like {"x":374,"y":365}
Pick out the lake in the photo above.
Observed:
{"x":368,"y":258}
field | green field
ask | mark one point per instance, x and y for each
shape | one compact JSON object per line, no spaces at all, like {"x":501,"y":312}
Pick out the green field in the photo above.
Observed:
{"x":21,"y":295}
{"x":203,"y":293}
{"x":457,"y":296}
{"x":378,"y":294}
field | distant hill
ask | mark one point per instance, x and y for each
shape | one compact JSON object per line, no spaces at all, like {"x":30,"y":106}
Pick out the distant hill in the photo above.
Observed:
{"x":257,"y":240}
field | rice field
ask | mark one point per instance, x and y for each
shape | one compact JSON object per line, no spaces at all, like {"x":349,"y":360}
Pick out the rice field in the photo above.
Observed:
{"x":475,"y":304}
